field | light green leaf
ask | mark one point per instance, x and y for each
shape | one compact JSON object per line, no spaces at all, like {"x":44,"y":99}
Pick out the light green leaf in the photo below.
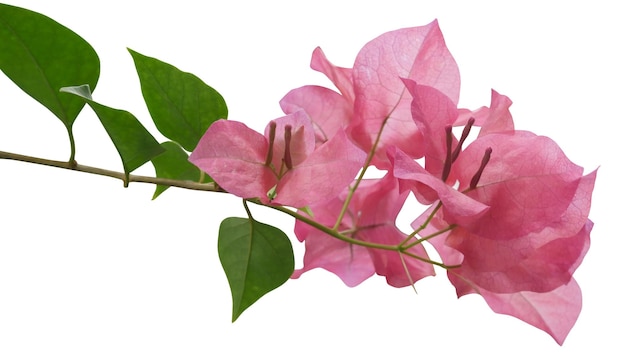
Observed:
{"x":40,"y":56}
{"x":133,"y":142}
{"x":181,"y":105}
{"x":257,"y":258}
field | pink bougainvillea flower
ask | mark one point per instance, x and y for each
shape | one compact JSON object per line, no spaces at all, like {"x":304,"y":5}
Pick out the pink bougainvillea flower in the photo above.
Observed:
{"x":283,"y":167}
{"x":554,"y":311}
{"x":418,"y":54}
{"x":373,"y":93}
{"x":371,"y":217}
{"x":435,"y":114}
{"x":538,"y":262}
{"x":328,"y":110}
{"x":352,"y":263}
{"x":536,"y":226}
{"x":528,"y":183}
{"x":521,"y":252}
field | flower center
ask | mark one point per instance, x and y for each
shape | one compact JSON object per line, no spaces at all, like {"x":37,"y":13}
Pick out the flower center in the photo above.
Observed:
{"x":478,"y":173}
{"x":287,"y":160}
{"x":452,"y":155}
{"x":287,"y":155}
{"x":270,"y":151}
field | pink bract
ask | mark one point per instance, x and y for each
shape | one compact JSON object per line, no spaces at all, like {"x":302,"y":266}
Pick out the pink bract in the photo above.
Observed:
{"x":554,"y":312}
{"x":529,"y":185}
{"x":373,"y":91}
{"x":521,"y":253}
{"x":371,"y":217}
{"x":418,"y":54}
{"x":241,"y":161}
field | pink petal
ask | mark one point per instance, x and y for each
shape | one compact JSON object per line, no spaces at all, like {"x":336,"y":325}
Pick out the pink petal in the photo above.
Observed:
{"x":528,"y":183}
{"x":432,"y":111}
{"x":532,"y":263}
{"x":351,"y":263}
{"x":493,"y":119}
{"x":371,"y":215}
{"x":458,"y":207}
{"x":323,"y":175}
{"x":328,"y":110}
{"x":419,"y":54}
{"x":377,"y":205}
{"x":340,"y":76}
{"x":234,"y":156}
{"x":554,"y":312}
{"x":499,"y":119}
{"x":325,"y":213}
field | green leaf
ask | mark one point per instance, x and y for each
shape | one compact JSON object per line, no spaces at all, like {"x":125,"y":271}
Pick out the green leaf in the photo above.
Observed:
{"x":181,"y":105}
{"x":256,"y":258}
{"x":174,"y":164}
{"x":133,"y":142}
{"x":40,"y":56}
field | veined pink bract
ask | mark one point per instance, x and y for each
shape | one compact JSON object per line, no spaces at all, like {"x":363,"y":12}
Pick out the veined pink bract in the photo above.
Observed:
{"x":283,"y":167}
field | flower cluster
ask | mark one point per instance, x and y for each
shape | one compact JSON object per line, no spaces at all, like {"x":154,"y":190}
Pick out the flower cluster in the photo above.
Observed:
{"x":508,"y":211}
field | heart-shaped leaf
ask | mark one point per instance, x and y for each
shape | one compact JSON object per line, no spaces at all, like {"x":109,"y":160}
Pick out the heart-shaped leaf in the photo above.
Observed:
{"x":257,"y":258}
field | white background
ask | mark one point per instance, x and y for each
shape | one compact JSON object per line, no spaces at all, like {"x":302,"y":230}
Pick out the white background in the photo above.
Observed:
{"x":91,"y":272}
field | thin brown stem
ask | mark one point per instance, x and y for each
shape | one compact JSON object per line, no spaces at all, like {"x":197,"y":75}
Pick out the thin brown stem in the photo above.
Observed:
{"x":190,"y":185}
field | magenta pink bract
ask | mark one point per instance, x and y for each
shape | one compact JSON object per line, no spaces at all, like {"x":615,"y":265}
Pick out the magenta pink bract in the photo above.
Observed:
{"x":240,"y":161}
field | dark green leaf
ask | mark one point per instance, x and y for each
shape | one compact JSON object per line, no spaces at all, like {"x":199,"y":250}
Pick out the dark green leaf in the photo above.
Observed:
{"x":40,"y":56}
{"x":181,"y":105}
{"x":174,"y":164}
{"x":256,"y":258}
{"x":133,"y":142}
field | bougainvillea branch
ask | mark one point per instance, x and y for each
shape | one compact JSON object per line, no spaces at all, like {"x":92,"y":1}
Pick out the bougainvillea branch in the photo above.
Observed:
{"x":189,"y":185}
{"x":507,"y":212}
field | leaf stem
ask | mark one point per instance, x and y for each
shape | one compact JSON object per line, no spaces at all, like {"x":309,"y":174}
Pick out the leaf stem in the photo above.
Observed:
{"x":70,"y":133}
{"x":245,"y":206}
